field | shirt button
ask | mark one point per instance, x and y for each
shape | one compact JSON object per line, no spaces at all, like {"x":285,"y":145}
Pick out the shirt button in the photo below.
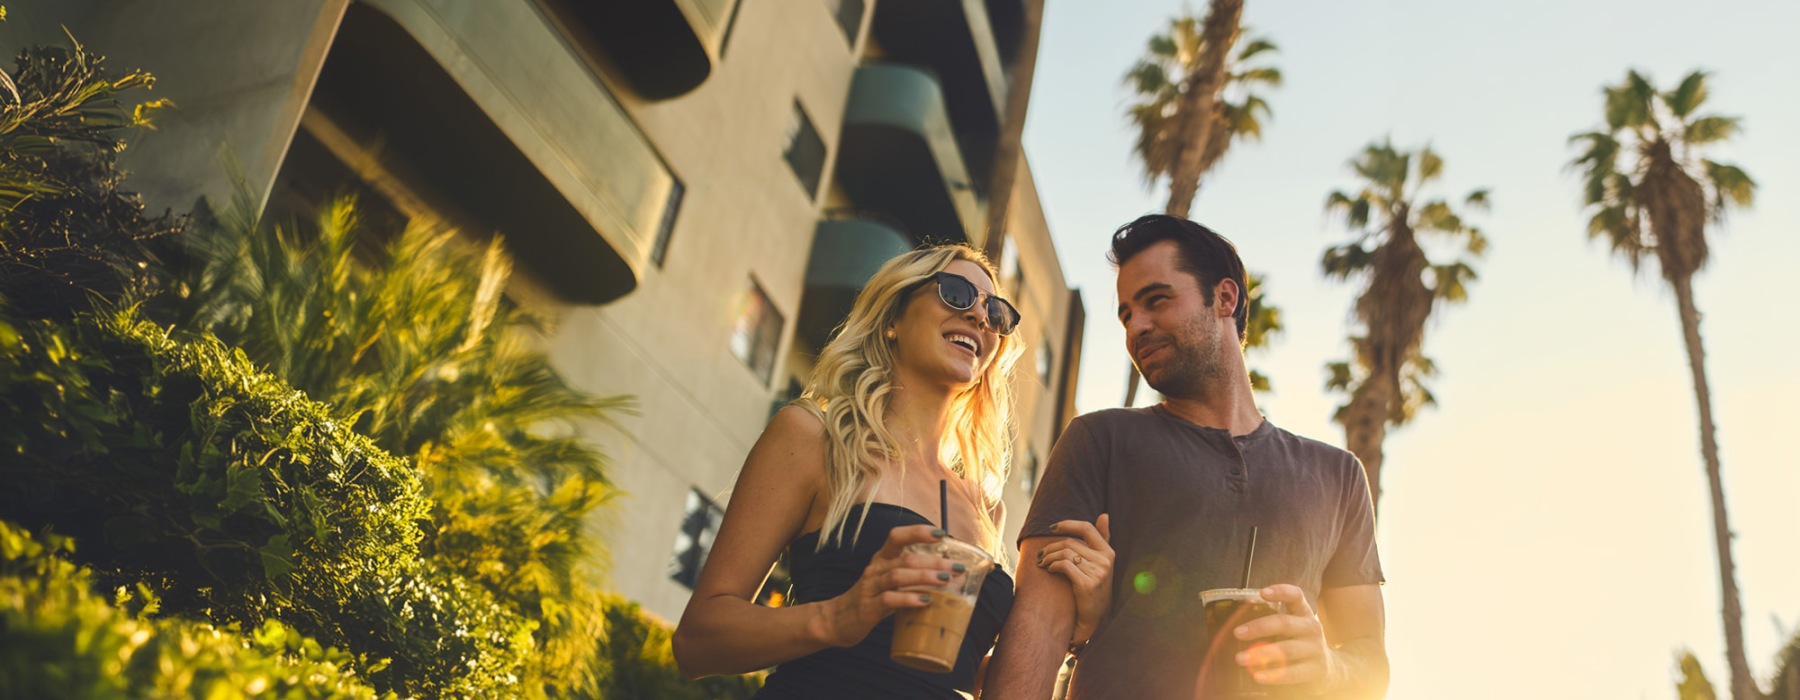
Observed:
{"x":1235,"y":472}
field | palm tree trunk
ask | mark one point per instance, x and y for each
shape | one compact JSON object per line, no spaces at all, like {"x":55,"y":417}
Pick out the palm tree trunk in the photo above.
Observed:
{"x":1365,"y":428}
{"x":1743,"y":685}
{"x":1199,"y":118}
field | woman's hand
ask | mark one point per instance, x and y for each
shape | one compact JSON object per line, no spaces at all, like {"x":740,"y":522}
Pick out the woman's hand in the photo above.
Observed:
{"x":848,"y":618}
{"x":1086,"y":560}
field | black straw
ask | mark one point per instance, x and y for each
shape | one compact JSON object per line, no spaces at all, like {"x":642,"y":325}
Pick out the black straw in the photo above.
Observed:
{"x":1249,"y":556}
{"x":944,"y":505}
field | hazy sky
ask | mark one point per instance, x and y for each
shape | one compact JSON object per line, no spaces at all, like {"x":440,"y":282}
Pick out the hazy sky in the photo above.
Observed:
{"x":1546,"y":531}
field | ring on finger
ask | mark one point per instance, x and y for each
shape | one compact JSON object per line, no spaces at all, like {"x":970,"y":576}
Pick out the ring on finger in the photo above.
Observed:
{"x":1077,"y":559}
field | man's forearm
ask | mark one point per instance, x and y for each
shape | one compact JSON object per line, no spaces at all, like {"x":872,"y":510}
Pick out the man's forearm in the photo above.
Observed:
{"x":1035,"y":637}
{"x":1358,"y":670}
{"x":1027,"y":656}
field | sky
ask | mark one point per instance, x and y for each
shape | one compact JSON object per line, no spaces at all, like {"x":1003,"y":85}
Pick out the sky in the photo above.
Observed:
{"x":1546,"y":530}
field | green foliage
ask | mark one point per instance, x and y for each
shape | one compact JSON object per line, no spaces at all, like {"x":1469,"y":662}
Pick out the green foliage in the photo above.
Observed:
{"x":1401,"y":286}
{"x":59,"y":640}
{"x":67,"y":232}
{"x":175,"y":461}
{"x":1693,"y":684}
{"x":414,"y":339}
{"x":641,"y":664}
{"x":1162,"y":77}
{"x":1645,"y":179}
{"x":1785,"y":684}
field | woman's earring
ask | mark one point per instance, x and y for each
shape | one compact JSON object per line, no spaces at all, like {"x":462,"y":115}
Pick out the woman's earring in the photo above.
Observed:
{"x":890,"y":334}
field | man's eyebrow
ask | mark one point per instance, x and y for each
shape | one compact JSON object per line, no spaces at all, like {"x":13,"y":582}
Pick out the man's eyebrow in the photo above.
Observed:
{"x":1145,"y":290}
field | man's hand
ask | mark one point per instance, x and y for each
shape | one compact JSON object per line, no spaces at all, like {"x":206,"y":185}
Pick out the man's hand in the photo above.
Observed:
{"x":1286,"y":649}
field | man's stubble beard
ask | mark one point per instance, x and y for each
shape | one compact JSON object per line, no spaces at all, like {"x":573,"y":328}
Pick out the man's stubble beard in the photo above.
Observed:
{"x":1198,"y":368}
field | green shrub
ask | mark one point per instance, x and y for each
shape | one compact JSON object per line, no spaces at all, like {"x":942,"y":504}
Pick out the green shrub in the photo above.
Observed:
{"x":58,"y":640}
{"x":174,"y":461}
{"x":640,"y":663}
{"x":409,"y":332}
{"x":68,"y":233}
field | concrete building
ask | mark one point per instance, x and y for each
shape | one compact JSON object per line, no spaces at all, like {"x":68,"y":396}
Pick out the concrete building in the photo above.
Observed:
{"x":694,"y":189}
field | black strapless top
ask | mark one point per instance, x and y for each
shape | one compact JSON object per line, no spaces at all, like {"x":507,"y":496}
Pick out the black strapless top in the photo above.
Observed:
{"x":864,"y":670}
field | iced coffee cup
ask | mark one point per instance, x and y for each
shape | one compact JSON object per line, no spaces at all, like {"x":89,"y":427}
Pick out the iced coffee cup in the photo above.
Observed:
{"x":1221,"y":678}
{"x":930,"y":638}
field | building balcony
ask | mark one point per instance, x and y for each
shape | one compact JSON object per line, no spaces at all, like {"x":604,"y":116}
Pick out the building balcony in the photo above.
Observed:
{"x":968,"y":44}
{"x":846,"y":253}
{"x":898,"y":156}
{"x":661,"y":48}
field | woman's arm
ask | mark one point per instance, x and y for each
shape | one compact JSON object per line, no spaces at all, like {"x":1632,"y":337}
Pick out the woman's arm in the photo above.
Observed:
{"x":723,"y":630}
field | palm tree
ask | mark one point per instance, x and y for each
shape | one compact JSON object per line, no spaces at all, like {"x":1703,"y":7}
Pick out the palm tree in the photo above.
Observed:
{"x":1656,"y":208}
{"x":1161,"y":81}
{"x":1401,"y":287}
{"x":1186,"y":120}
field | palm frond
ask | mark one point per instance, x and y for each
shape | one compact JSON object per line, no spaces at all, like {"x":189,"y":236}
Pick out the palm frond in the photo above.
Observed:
{"x":1437,"y":216}
{"x":1338,"y":376}
{"x":1449,"y":282}
{"x":1478,"y":242}
{"x":1478,"y":200}
{"x":1430,"y":165}
{"x":1162,"y":45}
{"x":1341,"y":262}
{"x":1255,"y":47}
{"x":1147,"y":78}
{"x":1262,"y":76}
{"x":1710,"y":129}
{"x":1688,"y":96}
{"x":1730,"y":185}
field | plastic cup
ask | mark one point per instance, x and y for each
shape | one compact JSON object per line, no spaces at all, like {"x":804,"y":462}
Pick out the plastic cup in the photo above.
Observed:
{"x":930,"y":638}
{"x":1226,"y":608}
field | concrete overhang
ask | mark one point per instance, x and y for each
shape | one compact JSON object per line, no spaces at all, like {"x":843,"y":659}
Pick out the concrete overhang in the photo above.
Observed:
{"x":660,"y":48}
{"x":898,"y":156}
{"x":846,"y":253}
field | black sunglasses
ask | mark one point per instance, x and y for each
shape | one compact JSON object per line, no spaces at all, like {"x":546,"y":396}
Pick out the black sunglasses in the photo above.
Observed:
{"x":957,"y":292}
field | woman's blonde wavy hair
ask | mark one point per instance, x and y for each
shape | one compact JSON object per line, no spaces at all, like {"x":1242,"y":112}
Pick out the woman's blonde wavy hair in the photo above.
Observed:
{"x":853,"y":380}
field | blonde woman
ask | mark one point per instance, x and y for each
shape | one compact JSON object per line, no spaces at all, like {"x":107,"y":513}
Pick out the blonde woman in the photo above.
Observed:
{"x":913,"y":390}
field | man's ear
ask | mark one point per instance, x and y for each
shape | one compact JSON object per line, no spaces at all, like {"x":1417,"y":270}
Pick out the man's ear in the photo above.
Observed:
{"x":1225,"y":297}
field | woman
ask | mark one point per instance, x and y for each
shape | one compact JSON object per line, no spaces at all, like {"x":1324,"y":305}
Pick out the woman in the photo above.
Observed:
{"x":911,"y":392}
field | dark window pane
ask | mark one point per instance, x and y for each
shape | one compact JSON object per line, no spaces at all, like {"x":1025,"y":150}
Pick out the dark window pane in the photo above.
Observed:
{"x":849,"y":18}
{"x":699,"y":525}
{"x":805,"y":151}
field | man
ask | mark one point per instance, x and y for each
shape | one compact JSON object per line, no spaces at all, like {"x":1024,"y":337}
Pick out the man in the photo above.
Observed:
{"x":1184,"y":482}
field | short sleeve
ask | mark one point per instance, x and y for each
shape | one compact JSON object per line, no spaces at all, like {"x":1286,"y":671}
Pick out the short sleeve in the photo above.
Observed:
{"x":1074,"y":483}
{"x":1356,"y":561}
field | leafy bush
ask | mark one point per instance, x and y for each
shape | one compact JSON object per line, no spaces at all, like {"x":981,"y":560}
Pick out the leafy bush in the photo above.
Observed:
{"x":641,"y":664}
{"x":175,"y":461}
{"x":409,"y":333}
{"x":58,"y":639}
{"x":68,"y":233}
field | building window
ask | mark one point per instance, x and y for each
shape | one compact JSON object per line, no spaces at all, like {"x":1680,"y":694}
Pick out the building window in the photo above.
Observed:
{"x":1045,"y":361}
{"x":756,"y":331}
{"x":805,"y":151}
{"x":1028,"y":472}
{"x":699,"y":525}
{"x":849,"y":15}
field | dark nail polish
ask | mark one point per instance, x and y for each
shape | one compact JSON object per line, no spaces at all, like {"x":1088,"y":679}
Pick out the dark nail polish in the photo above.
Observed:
{"x":938,"y":533}
{"x":943,"y":575}
{"x":923,"y":598}
{"x":959,"y":568}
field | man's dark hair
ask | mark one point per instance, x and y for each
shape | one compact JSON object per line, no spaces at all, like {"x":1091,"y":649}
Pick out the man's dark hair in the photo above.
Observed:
{"x":1202,"y":252}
